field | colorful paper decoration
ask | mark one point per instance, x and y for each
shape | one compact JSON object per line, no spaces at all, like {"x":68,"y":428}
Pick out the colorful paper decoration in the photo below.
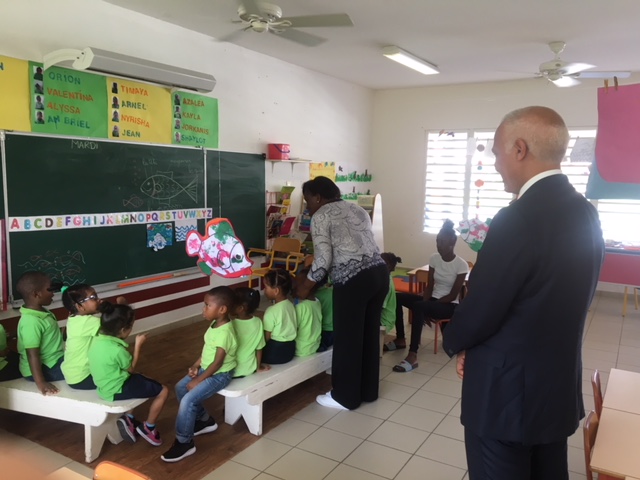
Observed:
{"x":473,"y":232}
{"x":159,"y":235}
{"x":219,"y":251}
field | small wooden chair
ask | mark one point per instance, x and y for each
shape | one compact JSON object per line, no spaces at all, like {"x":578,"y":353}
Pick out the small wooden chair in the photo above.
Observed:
{"x":590,"y":431}
{"x":285,"y":252}
{"x":597,"y":392}
{"x":113,"y":471}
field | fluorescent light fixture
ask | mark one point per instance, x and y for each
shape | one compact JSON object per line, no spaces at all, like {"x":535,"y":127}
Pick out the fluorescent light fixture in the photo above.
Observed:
{"x":131,"y":67}
{"x":405,"y":58}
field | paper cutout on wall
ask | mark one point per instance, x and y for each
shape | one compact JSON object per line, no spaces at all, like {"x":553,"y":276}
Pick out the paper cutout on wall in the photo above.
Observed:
{"x":219,"y":251}
{"x":599,"y":189}
{"x":159,"y":235}
{"x":473,"y":232}
{"x":183,"y":227}
{"x":138,"y":112}
{"x":67,"y":102}
{"x":618,"y":144}
{"x":14,"y":89}
{"x":322,"y":169}
{"x":583,"y":150}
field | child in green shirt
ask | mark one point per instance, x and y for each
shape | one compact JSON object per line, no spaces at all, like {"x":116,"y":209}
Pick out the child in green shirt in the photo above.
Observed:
{"x":249,"y":333}
{"x":39,"y":337}
{"x":211,"y":373}
{"x":82,"y":326}
{"x":388,"y":317}
{"x":280,"y":324}
{"x":325,"y":295}
{"x":10,"y":361}
{"x":309,"y":318}
{"x":111,"y":366}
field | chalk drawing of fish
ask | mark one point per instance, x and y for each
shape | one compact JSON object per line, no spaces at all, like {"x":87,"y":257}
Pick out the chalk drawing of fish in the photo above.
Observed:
{"x":162,"y":186}
{"x":133,"y":201}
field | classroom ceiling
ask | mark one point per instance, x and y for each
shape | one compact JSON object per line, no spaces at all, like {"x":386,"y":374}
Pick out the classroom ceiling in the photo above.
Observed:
{"x":469,"y":40}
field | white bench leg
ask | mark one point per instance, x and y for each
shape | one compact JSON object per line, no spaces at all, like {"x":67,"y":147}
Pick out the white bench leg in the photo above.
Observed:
{"x":236,"y":407}
{"x":94,"y":437}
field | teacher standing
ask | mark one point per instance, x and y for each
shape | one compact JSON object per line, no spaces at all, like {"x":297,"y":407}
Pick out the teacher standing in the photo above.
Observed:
{"x":344,"y":250}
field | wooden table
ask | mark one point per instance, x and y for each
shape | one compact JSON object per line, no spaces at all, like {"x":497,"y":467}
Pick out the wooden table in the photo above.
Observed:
{"x":617,"y":444}
{"x":623,"y":391}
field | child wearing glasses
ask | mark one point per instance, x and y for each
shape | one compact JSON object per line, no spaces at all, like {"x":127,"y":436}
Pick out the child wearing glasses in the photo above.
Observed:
{"x":39,"y":337}
{"x":82,"y":326}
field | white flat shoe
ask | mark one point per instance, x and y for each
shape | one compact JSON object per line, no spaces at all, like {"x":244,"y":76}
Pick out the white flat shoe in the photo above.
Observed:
{"x":327,"y":400}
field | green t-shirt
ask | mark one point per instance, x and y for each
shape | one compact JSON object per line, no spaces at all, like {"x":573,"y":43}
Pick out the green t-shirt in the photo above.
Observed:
{"x":39,"y":329}
{"x":109,"y":362}
{"x":250,"y":336}
{"x":223,"y":337}
{"x":81,"y":329}
{"x":3,"y":346}
{"x":309,"y":315}
{"x":325,"y":295}
{"x":280,"y":320}
{"x":388,"y":317}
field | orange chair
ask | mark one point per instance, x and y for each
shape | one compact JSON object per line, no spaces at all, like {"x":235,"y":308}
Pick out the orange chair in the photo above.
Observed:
{"x":284,"y":252}
{"x":590,"y":431}
{"x":114,"y":471}
{"x":597,"y":392}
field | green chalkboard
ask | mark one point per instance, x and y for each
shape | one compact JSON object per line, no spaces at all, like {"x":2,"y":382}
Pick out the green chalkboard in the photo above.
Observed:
{"x":238,"y":180}
{"x":59,"y":176}
{"x":63,"y":176}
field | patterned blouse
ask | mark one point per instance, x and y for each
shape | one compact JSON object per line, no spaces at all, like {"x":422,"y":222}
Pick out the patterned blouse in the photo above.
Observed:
{"x":343,"y":242}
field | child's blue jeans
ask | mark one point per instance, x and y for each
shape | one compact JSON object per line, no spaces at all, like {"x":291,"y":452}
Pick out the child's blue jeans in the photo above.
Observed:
{"x":191,"y":408}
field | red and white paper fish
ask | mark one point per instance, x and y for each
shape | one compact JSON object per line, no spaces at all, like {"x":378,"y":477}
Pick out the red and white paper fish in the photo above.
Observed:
{"x":219,"y":251}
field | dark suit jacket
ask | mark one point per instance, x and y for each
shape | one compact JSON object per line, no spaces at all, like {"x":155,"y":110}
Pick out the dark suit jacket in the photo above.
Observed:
{"x":522,"y":321}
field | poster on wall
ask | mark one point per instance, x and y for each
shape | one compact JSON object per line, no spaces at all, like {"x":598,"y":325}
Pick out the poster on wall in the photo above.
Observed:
{"x":66,"y":102}
{"x":195,"y":120}
{"x":14,"y":89}
{"x":322,"y":169}
{"x":138,"y":112}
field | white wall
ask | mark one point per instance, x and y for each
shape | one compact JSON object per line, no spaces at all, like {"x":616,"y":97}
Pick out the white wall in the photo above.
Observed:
{"x":261,"y":99}
{"x":401,"y":119}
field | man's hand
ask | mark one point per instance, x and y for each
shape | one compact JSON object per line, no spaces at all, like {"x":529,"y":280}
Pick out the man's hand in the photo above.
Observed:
{"x":460,"y":363}
{"x":264,"y":367}
{"x":193,"y":371}
{"x":47,"y":388}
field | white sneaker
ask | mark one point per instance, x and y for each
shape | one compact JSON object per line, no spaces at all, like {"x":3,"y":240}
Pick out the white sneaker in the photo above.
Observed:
{"x":327,"y":400}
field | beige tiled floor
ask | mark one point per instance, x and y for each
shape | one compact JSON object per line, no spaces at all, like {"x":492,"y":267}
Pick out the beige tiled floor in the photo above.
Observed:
{"x":413,"y":431}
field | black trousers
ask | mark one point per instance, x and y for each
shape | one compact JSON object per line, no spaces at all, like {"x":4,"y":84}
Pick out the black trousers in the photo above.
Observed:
{"x":421,"y":309}
{"x":11,"y":370}
{"x":277,"y":353}
{"x":357,"y":307}
{"x":490,"y":459}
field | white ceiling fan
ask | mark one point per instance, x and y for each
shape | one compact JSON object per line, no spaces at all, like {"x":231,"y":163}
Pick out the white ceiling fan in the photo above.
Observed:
{"x":265,"y":17}
{"x":568,"y":74}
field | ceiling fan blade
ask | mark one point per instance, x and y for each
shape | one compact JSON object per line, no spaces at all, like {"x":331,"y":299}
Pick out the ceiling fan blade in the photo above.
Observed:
{"x":301,"y":37}
{"x":571,"y":68}
{"x":565,"y":82}
{"x":251,"y":6}
{"x":603,"y":74}
{"x":334,"y":20}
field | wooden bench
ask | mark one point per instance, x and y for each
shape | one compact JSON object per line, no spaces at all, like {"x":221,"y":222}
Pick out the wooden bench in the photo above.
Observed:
{"x":244,"y":396}
{"x":78,"y":406}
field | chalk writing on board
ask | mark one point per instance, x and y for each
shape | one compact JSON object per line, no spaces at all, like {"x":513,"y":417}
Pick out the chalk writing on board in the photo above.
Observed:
{"x":84,"y":145}
{"x":162,"y":186}
{"x":66,"y":267}
{"x":133,"y":201}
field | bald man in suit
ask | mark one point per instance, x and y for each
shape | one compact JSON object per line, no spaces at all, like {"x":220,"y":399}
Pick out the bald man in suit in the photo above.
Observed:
{"x":518,"y":333}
